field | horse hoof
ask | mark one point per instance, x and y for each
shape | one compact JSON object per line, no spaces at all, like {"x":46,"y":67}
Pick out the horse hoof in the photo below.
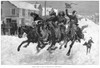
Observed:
{"x":38,"y":51}
{"x":18,"y":49}
{"x":65,"y":46}
{"x":47,"y":49}
{"x":60,"y":48}
{"x":24,"y":46}
{"x":68,"y":54}
{"x":55,"y":48}
{"x":45,"y":43}
{"x":50,"y":52}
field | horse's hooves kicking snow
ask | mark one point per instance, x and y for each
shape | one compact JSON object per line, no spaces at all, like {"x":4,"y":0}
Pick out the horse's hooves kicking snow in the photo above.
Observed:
{"x":68,"y":54}
{"x":65,"y":46}
{"x":60,"y":48}
{"x":24,"y":46}
{"x":18,"y":49}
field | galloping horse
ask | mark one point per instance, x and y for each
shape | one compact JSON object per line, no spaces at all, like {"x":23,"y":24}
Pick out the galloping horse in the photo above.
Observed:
{"x":38,"y":34}
{"x":31,"y":35}
{"x":71,"y":35}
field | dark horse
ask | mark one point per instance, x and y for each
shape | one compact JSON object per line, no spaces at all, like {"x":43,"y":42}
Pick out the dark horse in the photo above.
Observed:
{"x":55,"y":36}
{"x":75,"y":37}
{"x":72,"y":35}
{"x":32,"y":36}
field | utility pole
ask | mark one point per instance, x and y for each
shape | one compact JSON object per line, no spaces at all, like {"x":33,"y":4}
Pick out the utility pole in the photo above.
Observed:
{"x":45,"y":9}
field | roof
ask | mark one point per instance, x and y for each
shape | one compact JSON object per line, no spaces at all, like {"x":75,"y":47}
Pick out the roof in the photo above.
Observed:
{"x":37,"y":5}
{"x":24,"y":5}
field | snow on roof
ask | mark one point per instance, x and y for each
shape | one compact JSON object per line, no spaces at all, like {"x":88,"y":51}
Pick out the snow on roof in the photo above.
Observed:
{"x":24,"y":5}
{"x":37,"y":5}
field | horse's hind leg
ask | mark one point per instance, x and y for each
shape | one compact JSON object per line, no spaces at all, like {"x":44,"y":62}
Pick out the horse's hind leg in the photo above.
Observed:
{"x":42,"y":43}
{"x":18,"y":49}
{"x":52,"y":48}
{"x":66,"y":44}
{"x":68,"y":53}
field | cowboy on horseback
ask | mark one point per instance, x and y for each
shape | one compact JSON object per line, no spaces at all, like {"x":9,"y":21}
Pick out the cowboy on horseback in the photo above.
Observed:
{"x":52,"y":25}
{"x":52,"y":20}
{"x":62,"y":21}
{"x":39,"y":26}
{"x":37,"y":21}
{"x":73,"y":25}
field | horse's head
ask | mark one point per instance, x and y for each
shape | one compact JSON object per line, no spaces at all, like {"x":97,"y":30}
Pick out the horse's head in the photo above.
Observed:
{"x":85,"y":44}
{"x":90,"y":40}
{"x":21,"y":31}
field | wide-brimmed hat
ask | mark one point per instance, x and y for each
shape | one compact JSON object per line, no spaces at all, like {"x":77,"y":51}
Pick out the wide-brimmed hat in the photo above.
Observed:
{"x":31,"y":14}
{"x":61,"y":13}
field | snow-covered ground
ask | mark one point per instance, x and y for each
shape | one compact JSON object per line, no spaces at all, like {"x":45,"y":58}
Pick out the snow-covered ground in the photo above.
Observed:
{"x":28,"y":56}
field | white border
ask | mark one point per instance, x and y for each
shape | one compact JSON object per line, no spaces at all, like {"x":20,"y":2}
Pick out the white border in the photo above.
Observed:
{"x":49,"y":0}
{"x":48,"y":66}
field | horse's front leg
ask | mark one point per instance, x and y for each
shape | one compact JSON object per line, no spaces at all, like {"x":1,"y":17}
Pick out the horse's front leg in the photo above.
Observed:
{"x":61,"y":45}
{"x":38,"y":46}
{"x":66,"y":44}
{"x":27,"y":44}
{"x":18,"y":49}
{"x":87,"y":51}
{"x":68,"y":53}
{"x":66,"y":41}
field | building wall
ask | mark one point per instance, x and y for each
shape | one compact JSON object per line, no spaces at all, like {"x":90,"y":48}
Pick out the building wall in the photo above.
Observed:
{"x":22,"y":16}
{"x":6,"y":13}
{"x":25,"y":19}
{"x":7,"y":7}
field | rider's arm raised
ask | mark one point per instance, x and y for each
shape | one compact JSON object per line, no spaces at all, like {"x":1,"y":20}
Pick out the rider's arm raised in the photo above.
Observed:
{"x":67,"y":13}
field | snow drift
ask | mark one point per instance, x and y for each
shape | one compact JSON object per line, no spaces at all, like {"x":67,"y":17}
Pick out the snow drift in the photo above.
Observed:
{"x":28,"y":56}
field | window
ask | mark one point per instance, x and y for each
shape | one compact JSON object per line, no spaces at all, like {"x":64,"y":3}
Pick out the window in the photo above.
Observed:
{"x":28,"y":13}
{"x":13,"y":11}
{"x":1,"y":11}
{"x":1,"y":2}
{"x":23,"y":12}
{"x":22,"y":21}
{"x":35,"y":6}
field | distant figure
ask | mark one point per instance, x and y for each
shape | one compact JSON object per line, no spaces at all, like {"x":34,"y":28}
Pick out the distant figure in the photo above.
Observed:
{"x":13,"y":29}
{"x":3,"y":28}
{"x":88,"y":45}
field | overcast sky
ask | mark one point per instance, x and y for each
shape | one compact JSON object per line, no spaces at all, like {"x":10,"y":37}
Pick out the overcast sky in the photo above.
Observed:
{"x":82,"y":7}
